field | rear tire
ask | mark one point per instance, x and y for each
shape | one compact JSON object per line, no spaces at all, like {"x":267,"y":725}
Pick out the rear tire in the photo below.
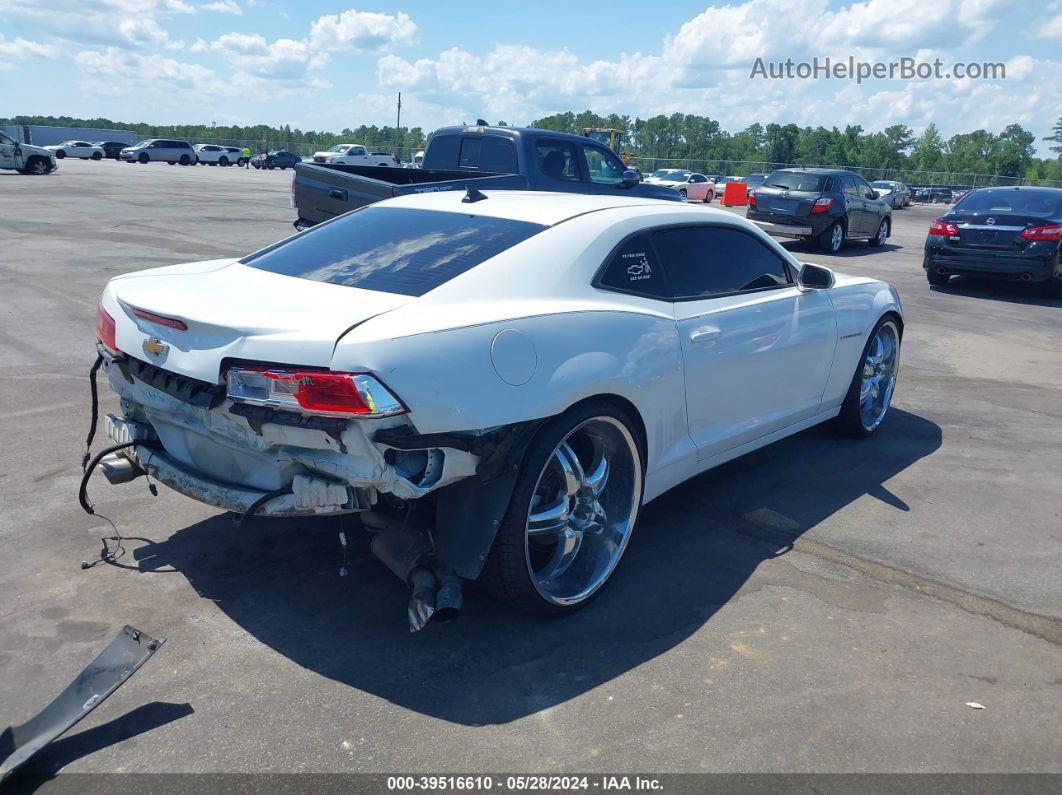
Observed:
{"x":143,"y":157}
{"x":97,"y":156}
{"x":832,"y":238}
{"x":185,"y":160}
{"x":574,"y":552}
{"x":870,"y":393}
{"x":935,"y":278}
{"x":223,"y":161}
{"x":60,"y":154}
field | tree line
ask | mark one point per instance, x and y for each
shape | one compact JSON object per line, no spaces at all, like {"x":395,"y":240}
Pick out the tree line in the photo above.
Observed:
{"x":896,"y":148}
{"x":683,"y":137}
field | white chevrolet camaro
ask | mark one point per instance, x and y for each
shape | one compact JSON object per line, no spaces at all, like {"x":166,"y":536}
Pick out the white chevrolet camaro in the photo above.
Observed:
{"x":495,"y":382}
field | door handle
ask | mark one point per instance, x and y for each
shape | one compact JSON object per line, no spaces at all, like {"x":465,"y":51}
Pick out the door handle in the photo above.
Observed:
{"x":704,"y":334}
{"x":337,"y":193}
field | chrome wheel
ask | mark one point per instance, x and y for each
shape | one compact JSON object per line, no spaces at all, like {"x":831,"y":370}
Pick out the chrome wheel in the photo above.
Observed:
{"x":582,"y":510}
{"x":883,"y":233}
{"x":879,"y":376}
{"x":836,"y":237}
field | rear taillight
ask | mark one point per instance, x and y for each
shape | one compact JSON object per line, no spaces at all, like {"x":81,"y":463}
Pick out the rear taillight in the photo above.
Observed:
{"x":752,"y":200}
{"x":1052,"y":232}
{"x":105,"y":331}
{"x":313,"y":392}
{"x":943,"y":228}
{"x":821,"y":205}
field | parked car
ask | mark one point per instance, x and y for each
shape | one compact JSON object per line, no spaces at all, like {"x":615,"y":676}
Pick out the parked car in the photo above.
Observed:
{"x":236,"y":155}
{"x":394,"y":158}
{"x":80,"y":149}
{"x":823,"y":204}
{"x":24,"y":158}
{"x":160,"y":150}
{"x":754,"y":180}
{"x":352,"y":155}
{"x":277,"y":159}
{"x":1007,"y":233}
{"x":893,"y":193}
{"x":480,"y":157}
{"x":111,"y":149}
{"x":496,"y":387}
{"x":720,"y":184}
{"x":214,"y":155}
{"x":691,"y":186}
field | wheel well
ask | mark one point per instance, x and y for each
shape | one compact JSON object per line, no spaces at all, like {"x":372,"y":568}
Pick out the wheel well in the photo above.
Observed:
{"x":630,"y":409}
{"x":899,"y":321}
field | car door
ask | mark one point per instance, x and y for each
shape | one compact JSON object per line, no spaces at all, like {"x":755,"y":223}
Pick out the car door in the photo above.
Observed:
{"x":874,"y":209}
{"x":7,"y":152}
{"x":855,"y":207}
{"x":603,"y":169}
{"x":557,"y":167}
{"x":698,"y":187}
{"x":757,"y":350}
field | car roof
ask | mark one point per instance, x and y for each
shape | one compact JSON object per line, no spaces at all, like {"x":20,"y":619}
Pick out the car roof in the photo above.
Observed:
{"x":824,"y":171}
{"x":539,"y":207}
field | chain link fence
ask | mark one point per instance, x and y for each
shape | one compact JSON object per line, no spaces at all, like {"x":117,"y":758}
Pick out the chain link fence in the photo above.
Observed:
{"x":303,"y":149}
{"x":944,"y":179}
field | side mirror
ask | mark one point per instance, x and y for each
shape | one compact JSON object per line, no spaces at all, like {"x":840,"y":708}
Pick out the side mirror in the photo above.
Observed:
{"x":815,"y":277}
{"x":875,"y":195}
{"x":630,"y":178}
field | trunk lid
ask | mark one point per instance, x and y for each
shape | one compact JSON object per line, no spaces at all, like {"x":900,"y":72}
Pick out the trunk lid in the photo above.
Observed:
{"x":779,"y":204}
{"x":993,"y":230}
{"x":237,"y":312}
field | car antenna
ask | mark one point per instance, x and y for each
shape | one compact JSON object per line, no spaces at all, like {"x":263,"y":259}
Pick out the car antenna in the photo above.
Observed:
{"x":482,"y":123}
{"x":472,"y":195}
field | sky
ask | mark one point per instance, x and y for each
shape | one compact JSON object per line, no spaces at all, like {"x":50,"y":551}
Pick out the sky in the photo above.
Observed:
{"x":333,"y":65}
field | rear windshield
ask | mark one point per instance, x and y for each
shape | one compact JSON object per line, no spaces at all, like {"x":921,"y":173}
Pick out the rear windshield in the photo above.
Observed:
{"x":393,"y":250}
{"x":1046,"y":203}
{"x":795,"y":180}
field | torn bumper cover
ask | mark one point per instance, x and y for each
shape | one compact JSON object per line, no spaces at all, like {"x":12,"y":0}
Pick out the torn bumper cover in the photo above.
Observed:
{"x":230,"y":455}
{"x":114,"y":665}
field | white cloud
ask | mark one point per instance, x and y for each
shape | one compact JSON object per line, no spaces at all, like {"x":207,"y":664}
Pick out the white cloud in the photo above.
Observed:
{"x":223,"y":7}
{"x":125,"y":23}
{"x":1052,"y":29}
{"x":115,"y":71}
{"x":366,"y":31}
{"x":24,"y":48}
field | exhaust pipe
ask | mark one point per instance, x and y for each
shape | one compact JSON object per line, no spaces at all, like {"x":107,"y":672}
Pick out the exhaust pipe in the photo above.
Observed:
{"x":1026,"y":277}
{"x":448,"y":599}
{"x":942,"y":271}
{"x":118,"y":468}
{"x":407,"y":552}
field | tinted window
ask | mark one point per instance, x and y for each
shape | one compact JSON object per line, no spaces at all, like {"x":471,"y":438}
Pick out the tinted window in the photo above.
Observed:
{"x":393,"y":250}
{"x":698,"y":178}
{"x":556,"y":160}
{"x":704,"y":261}
{"x":470,"y":148}
{"x":442,"y":151}
{"x":498,"y":154}
{"x":1041,"y":202}
{"x":795,"y":180}
{"x":633,"y":268}
{"x":603,"y":167}
{"x":848,"y":185}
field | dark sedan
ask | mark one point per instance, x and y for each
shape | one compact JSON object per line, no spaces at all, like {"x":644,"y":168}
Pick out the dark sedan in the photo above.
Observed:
{"x":111,"y":149}
{"x":279,"y":159}
{"x":1007,"y":233}
{"x":823,"y":204}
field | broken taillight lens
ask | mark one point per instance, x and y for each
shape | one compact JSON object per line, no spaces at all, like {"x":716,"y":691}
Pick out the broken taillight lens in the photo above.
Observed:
{"x":105,"y":330}
{"x":313,"y":392}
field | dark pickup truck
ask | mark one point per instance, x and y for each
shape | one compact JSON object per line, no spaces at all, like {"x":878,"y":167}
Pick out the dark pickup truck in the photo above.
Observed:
{"x":483,"y":157}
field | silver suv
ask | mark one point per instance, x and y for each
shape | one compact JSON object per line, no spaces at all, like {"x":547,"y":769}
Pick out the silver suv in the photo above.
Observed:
{"x":160,"y":150}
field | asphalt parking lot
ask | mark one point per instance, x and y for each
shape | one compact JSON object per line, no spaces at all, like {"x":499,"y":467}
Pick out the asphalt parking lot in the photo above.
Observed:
{"x":820,"y":605}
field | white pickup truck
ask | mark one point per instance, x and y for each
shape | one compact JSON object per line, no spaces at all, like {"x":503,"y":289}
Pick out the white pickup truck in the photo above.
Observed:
{"x":352,"y":155}
{"x":25,"y":158}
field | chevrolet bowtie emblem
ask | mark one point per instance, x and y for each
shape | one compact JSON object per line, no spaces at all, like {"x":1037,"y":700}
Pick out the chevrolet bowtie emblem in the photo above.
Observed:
{"x":156,"y":346}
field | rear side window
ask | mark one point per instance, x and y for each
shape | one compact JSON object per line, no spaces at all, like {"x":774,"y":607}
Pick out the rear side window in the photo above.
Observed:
{"x":556,"y":160}
{"x":442,"y":152}
{"x":704,"y":261}
{"x":393,"y":250}
{"x":633,"y":268}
